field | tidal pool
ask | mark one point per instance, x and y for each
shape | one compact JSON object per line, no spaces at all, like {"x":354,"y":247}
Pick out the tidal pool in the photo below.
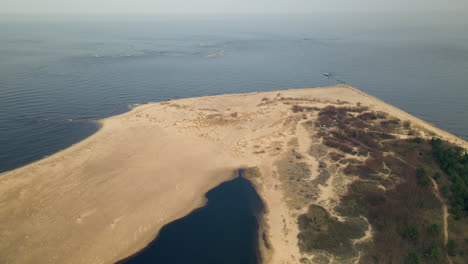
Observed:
{"x":225,"y":230}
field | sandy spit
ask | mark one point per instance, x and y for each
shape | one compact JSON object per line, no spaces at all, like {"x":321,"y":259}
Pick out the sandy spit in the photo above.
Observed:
{"x":108,"y":196}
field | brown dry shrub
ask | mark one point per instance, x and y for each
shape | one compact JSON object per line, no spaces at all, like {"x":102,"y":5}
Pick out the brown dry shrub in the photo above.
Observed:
{"x":325,"y":121}
{"x":335,"y":156}
{"x":381,"y":115}
{"x":373,"y":164}
{"x":368,"y":116}
{"x":358,"y":109}
{"x":298,"y":108}
{"x":336,"y":144}
{"x":350,"y":161}
{"x":321,"y":133}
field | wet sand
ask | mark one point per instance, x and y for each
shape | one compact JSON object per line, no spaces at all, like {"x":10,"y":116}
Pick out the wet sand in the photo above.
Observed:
{"x":108,"y":196}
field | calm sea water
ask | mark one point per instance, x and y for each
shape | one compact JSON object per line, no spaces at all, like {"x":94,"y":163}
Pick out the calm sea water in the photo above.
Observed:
{"x":58,"y":74}
{"x":224,"y":231}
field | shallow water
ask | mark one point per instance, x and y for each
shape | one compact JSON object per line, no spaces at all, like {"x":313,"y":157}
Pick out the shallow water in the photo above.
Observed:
{"x":223,"y":231}
{"x":58,"y":73}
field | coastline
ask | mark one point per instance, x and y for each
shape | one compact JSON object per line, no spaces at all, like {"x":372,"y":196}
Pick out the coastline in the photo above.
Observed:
{"x":119,"y":186}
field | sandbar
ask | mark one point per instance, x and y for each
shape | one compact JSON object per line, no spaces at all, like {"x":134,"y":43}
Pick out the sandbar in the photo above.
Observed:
{"x":108,"y":196}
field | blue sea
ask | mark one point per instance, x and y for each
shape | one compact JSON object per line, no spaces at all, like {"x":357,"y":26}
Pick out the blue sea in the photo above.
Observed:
{"x":59,"y":74}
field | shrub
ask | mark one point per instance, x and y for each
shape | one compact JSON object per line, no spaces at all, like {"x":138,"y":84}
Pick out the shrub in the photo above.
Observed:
{"x":333,"y":143}
{"x":454,"y":163}
{"x":423,"y":180}
{"x":433,"y":253}
{"x":336,"y":156}
{"x":437,"y":176}
{"x":434,"y":229}
{"x":451,"y":247}
{"x":413,"y":258}
{"x":367,"y":116}
{"x":297,"y":108}
{"x":321,"y":231}
{"x":411,"y":233}
{"x":407,"y":124}
{"x":420,"y":172}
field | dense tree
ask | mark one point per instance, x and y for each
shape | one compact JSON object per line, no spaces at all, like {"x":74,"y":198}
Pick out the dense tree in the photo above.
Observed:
{"x":455,"y":164}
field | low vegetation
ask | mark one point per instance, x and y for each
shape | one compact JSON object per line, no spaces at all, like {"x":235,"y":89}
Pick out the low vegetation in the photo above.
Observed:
{"x":250,"y":173}
{"x":320,"y":231}
{"x":453,"y":182}
{"x":295,"y":174}
{"x":454,"y":162}
{"x":398,"y":175}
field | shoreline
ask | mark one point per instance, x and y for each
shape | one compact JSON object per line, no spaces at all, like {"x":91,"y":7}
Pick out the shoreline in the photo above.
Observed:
{"x":119,"y":186}
{"x":100,"y":122}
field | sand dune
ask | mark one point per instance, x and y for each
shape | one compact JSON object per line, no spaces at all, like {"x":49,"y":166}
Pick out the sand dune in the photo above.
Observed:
{"x":106,"y":197}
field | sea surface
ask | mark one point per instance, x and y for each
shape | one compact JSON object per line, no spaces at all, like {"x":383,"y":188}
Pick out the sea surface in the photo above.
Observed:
{"x":58,"y":74}
{"x":223,"y":231}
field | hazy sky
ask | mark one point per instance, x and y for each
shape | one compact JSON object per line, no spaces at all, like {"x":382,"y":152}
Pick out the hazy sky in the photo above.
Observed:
{"x":224,"y":6}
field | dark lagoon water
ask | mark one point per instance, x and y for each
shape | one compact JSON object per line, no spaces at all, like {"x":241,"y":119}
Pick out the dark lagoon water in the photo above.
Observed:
{"x":223,"y":231}
{"x":57,"y":74}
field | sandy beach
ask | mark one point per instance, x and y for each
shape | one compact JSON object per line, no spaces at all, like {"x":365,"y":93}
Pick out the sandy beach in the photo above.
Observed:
{"x":108,"y":196}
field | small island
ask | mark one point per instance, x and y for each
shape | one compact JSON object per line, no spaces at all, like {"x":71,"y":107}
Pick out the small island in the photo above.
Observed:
{"x":344,"y":177}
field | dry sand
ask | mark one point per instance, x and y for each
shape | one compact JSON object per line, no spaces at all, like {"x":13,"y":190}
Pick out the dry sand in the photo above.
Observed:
{"x":106,"y":197}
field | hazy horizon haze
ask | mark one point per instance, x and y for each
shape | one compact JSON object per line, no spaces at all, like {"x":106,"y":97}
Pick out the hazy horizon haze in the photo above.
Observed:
{"x":224,"y":6}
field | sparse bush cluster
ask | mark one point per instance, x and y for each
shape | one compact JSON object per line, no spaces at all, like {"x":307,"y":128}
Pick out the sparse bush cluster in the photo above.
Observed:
{"x":405,"y":214}
{"x":340,"y":116}
{"x":295,"y":173}
{"x":297,"y":108}
{"x":338,"y":144}
{"x":320,"y":231}
{"x":250,"y":173}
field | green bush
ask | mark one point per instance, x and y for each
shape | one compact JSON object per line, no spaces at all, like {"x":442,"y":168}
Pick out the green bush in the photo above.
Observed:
{"x":434,"y":229}
{"x":420,"y":172}
{"x":452,"y":247}
{"x":411,"y":233}
{"x":321,"y":231}
{"x":455,"y":164}
{"x":444,"y":189}
{"x":437,"y":176}
{"x":423,"y":180}
{"x":433,"y":253}
{"x":413,"y":258}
